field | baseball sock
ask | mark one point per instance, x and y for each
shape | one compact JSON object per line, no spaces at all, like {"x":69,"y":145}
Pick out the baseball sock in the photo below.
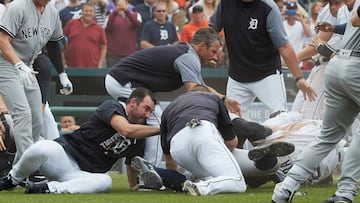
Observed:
{"x":171,"y":178}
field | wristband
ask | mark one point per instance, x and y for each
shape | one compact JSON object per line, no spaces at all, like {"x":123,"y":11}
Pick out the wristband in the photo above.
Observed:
{"x":223,"y":98}
{"x":298,"y":78}
{"x":340,"y":28}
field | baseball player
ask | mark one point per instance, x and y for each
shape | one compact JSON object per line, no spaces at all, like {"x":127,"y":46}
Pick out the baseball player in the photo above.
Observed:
{"x":75,"y":162}
{"x":335,"y":12}
{"x":190,"y":136}
{"x":25,"y":28}
{"x":347,"y":186}
{"x":288,"y":127}
{"x":50,"y":131}
{"x":255,"y":64}
{"x":179,"y":65}
{"x":341,"y":108}
{"x":291,"y":127}
{"x":7,"y":145}
{"x":195,"y":144}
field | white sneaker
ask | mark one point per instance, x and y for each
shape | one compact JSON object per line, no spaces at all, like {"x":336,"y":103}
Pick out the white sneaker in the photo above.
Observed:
{"x":191,"y":188}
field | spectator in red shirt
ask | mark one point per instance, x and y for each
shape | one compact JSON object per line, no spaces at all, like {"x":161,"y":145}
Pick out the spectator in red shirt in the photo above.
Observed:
{"x":87,"y":44}
{"x":122,"y":24}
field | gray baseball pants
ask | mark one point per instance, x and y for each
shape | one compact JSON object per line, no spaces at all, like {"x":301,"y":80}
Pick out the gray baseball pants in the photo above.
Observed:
{"x":342,"y":105}
{"x":24,"y":105}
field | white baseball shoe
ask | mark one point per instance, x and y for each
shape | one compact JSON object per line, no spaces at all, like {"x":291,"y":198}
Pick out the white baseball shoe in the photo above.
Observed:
{"x":285,"y":191}
{"x":337,"y":199}
{"x":191,"y":188}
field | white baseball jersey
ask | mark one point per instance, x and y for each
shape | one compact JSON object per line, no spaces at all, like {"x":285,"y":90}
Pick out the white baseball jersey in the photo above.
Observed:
{"x":303,"y":136}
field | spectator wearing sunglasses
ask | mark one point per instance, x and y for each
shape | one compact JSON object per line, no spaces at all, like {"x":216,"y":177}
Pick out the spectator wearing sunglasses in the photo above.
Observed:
{"x":158,"y":31}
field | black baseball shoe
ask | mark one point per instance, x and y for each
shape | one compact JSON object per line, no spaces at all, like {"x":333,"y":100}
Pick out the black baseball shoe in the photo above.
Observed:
{"x":249,"y":130}
{"x":6,"y":183}
{"x":33,"y":188}
{"x":276,"y":149}
{"x":337,"y":199}
{"x":148,"y":177}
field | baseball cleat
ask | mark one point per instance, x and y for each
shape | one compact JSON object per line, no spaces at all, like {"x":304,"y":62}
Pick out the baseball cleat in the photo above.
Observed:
{"x":337,"y":199}
{"x":148,"y":177}
{"x":276,"y":149}
{"x":282,"y":194}
{"x":37,"y":178}
{"x":250,"y":130}
{"x":6,"y":183}
{"x":191,"y":188}
{"x":33,"y":188}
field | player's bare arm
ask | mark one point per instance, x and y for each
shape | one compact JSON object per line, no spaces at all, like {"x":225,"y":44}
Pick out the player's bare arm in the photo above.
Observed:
{"x":324,"y":27}
{"x":288,"y":54}
{"x":170,"y":162}
{"x":231,"y":144}
{"x":132,"y":177}
{"x":232,"y":104}
{"x":129,"y":130}
{"x":310,"y":49}
{"x":355,"y":19}
{"x":3,"y":108}
{"x":7,"y":49}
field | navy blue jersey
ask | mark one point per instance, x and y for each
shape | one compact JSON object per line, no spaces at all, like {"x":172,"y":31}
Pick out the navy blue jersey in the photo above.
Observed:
{"x":146,"y":12}
{"x":159,"y":69}
{"x":159,"y":34}
{"x":96,"y":146}
{"x":201,"y":105}
{"x":69,"y":13}
{"x":254,"y":32}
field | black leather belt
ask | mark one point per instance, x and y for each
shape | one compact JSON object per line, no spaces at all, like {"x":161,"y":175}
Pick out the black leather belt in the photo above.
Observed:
{"x":347,"y":53}
{"x":320,"y":61}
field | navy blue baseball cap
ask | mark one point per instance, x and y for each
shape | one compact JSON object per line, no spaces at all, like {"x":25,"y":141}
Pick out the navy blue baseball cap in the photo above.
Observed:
{"x":291,"y":8}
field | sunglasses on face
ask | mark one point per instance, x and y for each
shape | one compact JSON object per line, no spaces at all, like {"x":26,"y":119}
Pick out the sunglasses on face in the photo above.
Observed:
{"x":161,"y":11}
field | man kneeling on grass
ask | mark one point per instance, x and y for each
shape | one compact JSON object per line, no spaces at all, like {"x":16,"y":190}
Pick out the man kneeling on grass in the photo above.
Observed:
{"x":197,"y":135}
{"x":76,"y":162}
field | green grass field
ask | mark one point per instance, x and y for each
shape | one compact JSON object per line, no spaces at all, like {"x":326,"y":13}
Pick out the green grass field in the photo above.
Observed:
{"x":121,"y":193}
